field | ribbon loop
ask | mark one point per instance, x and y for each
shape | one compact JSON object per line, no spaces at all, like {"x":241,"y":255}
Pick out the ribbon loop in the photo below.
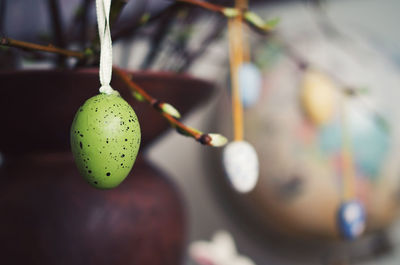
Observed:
{"x":103,"y":16}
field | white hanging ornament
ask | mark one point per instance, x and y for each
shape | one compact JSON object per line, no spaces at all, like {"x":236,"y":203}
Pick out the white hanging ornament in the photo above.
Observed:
{"x":250,"y":81}
{"x":241,"y":165}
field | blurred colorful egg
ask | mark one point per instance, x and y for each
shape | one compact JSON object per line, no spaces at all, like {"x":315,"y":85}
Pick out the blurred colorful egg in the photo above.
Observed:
{"x":351,"y":219}
{"x":250,"y":81}
{"x":317,"y":97}
{"x":364,"y":128}
{"x":105,"y":140}
{"x":241,"y":166}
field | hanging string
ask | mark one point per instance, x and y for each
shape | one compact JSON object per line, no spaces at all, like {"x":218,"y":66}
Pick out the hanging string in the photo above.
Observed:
{"x":103,"y":22}
{"x":347,"y":156}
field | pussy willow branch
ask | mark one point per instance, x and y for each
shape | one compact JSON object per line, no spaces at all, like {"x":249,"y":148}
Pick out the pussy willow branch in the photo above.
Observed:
{"x":205,"y":139}
{"x":253,"y":20}
{"x":203,"y":4}
{"x":155,"y":103}
{"x":36,"y":47}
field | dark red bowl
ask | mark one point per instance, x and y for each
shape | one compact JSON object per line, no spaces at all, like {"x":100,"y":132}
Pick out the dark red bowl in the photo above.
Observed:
{"x":48,"y":213}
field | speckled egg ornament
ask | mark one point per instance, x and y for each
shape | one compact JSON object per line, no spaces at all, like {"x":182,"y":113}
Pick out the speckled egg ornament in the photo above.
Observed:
{"x":240,"y":162}
{"x":351,"y":219}
{"x":105,"y":133}
{"x":105,"y":140}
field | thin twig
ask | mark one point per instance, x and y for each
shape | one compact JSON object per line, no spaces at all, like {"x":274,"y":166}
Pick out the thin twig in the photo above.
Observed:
{"x":156,"y":104}
{"x":203,"y":4}
{"x":36,"y":47}
{"x":253,"y":20}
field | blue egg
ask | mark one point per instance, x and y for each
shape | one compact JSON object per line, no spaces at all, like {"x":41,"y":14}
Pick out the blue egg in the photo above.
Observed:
{"x":250,"y":81}
{"x":351,"y":219}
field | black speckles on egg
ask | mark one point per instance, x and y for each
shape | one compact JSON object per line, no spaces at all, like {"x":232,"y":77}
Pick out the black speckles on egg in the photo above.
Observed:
{"x":108,"y":147}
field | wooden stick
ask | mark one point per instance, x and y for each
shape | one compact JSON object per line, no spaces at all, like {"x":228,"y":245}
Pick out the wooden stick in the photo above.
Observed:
{"x":347,"y":157}
{"x":244,"y":5}
{"x":236,"y":59}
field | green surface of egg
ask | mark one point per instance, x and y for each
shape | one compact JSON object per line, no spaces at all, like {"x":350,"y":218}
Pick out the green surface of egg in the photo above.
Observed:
{"x":105,"y":140}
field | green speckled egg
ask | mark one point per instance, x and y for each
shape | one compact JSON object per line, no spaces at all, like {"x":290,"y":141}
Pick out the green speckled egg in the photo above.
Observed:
{"x":105,"y":139}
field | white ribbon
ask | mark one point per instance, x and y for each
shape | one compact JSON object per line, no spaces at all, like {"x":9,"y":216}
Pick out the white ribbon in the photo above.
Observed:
{"x":103,"y":15}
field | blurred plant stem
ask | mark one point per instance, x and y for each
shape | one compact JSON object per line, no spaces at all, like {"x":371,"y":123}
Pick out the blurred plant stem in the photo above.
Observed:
{"x":57,"y":27}
{"x":84,"y":23}
{"x":191,"y":56}
{"x":164,"y":24}
{"x":3,"y":8}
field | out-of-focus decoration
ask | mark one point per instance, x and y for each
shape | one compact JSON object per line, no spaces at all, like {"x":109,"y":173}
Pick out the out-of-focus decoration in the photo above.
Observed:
{"x":351,"y":216}
{"x":221,"y":250}
{"x":370,"y":141}
{"x":241,"y":165}
{"x":249,"y":84}
{"x":303,"y":163}
{"x":351,"y":219}
{"x":317,"y":96}
{"x":240,"y":159}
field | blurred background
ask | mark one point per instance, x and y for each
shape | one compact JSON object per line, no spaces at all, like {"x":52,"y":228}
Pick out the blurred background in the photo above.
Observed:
{"x":290,"y":217}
